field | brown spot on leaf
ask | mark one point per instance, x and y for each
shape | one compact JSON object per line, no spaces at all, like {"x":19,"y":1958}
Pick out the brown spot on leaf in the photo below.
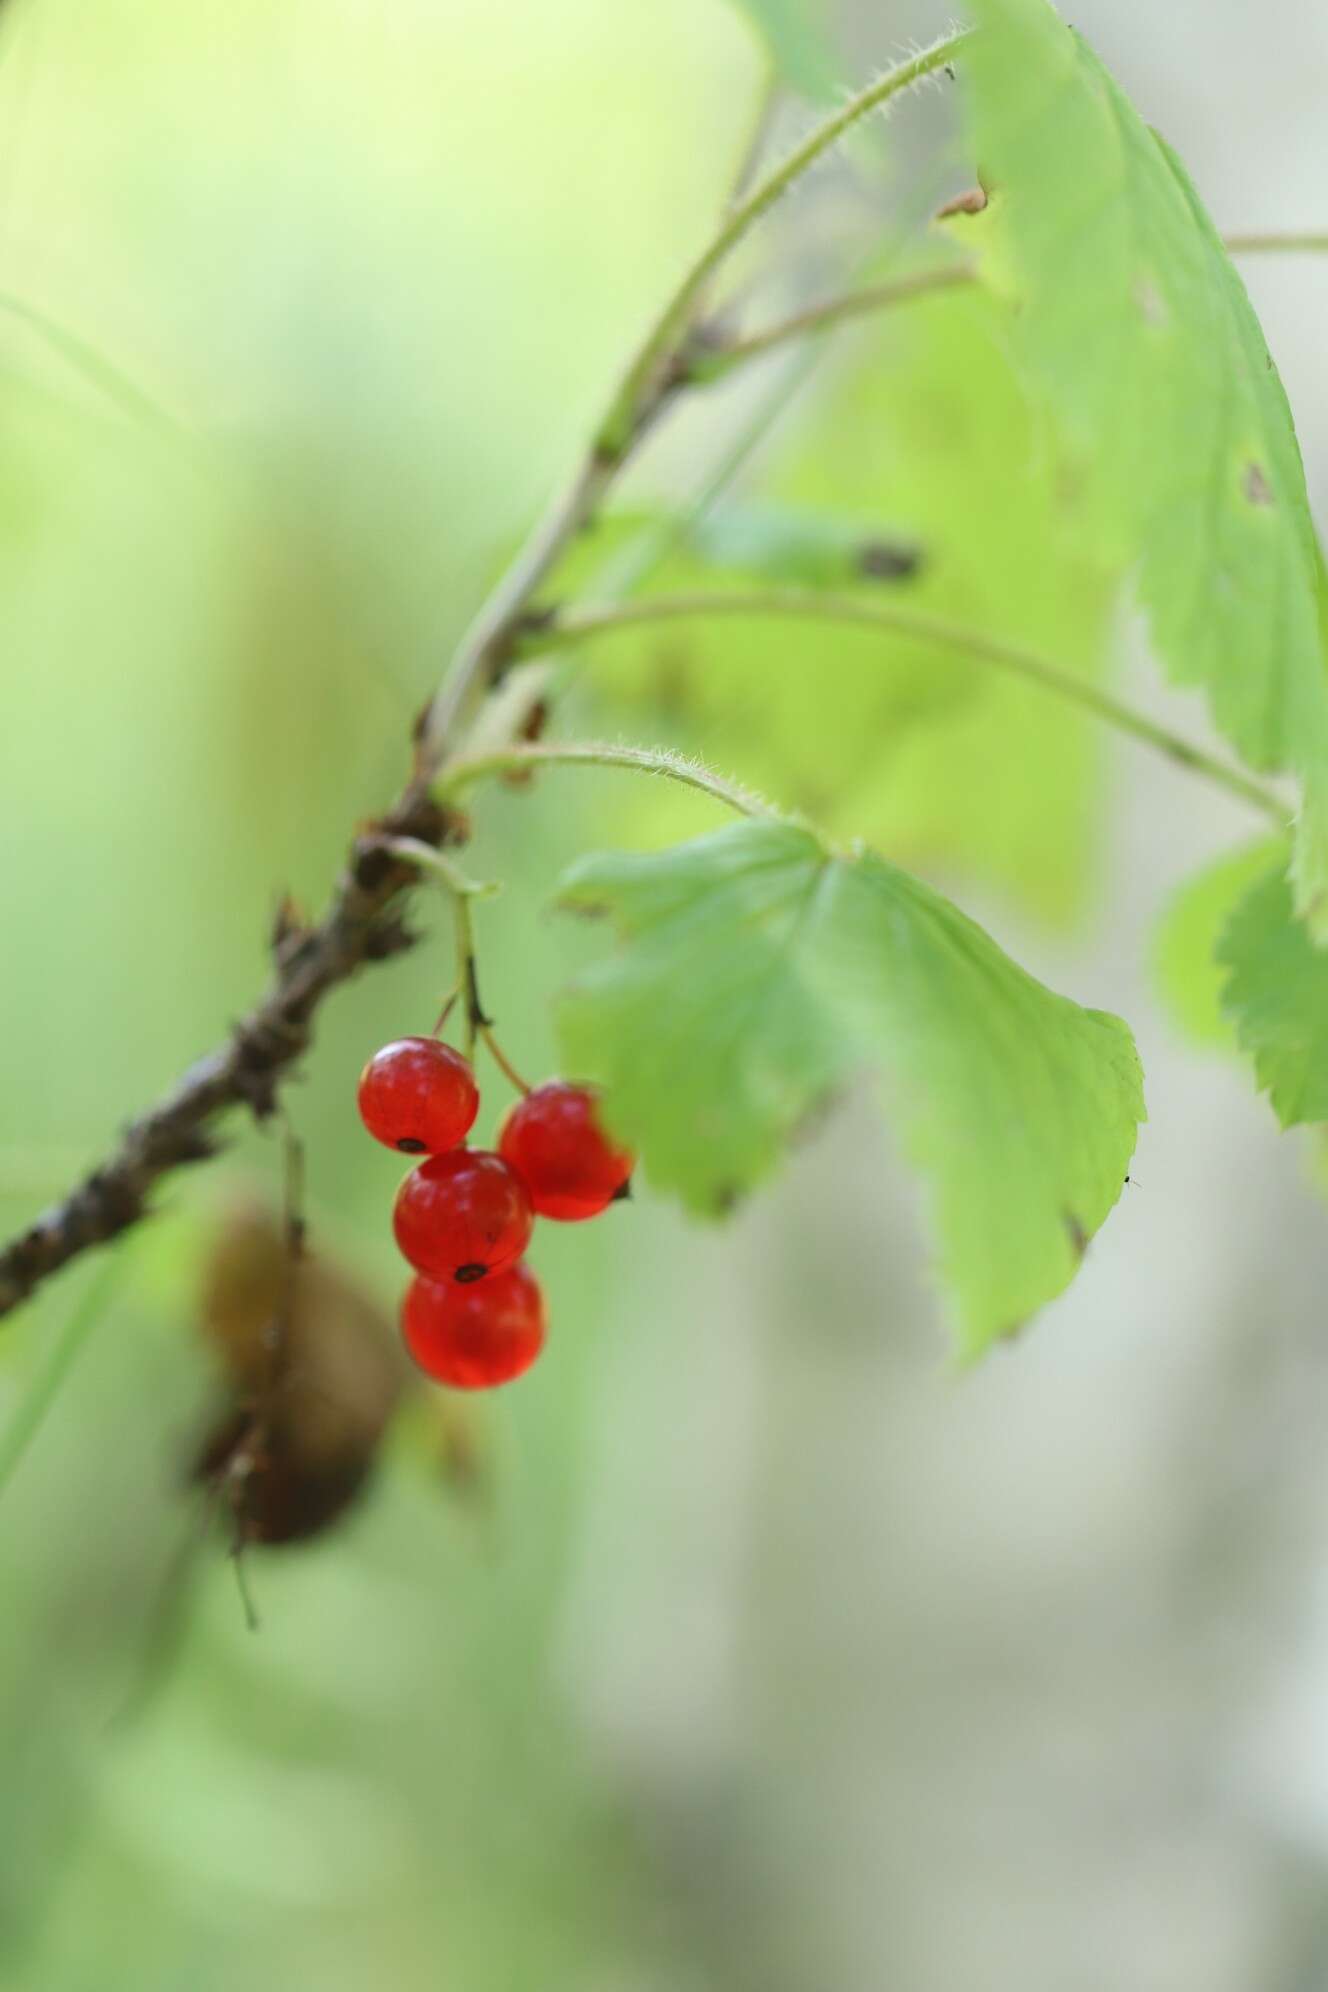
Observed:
{"x":888,"y":560}
{"x":1078,"y":1236}
{"x":1255,"y":485}
{"x":972,"y":201}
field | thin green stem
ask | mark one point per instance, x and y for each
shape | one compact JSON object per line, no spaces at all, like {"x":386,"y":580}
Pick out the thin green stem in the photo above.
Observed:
{"x":440,"y":1024}
{"x":462,"y":891}
{"x":671,"y":324}
{"x":466,"y":971}
{"x":1278,"y":242}
{"x":580,"y":625}
{"x":59,"y":1360}
{"x":442,"y":867}
{"x":714,"y":363}
{"x":636,"y":562}
{"x":502,"y":1061}
{"x":597,"y":754}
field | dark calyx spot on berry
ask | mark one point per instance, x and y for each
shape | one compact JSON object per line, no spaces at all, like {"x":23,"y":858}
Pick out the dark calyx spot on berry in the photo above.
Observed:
{"x":623,"y":1193}
{"x":470,"y":1272}
{"x":409,"y":1146}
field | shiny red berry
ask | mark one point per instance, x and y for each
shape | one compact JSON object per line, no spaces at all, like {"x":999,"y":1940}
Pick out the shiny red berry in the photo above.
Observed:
{"x":475,"y":1336}
{"x":462,"y":1215}
{"x":554,"y":1141}
{"x":419,"y":1096}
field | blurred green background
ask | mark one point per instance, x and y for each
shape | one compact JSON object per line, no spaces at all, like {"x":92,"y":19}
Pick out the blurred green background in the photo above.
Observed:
{"x":766,"y":1654}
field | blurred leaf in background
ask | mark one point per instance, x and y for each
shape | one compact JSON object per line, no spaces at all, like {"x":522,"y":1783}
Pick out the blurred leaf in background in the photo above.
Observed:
{"x":799,"y":43}
{"x":316,"y":236}
{"x":1276,"y":995}
{"x":329,"y":242}
{"x":1186,"y":958}
{"x":909,"y":446}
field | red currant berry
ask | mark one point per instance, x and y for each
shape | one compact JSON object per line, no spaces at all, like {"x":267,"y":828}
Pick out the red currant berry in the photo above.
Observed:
{"x":419,"y":1096}
{"x":554,"y":1141}
{"x":475,"y":1336}
{"x":462,"y":1215}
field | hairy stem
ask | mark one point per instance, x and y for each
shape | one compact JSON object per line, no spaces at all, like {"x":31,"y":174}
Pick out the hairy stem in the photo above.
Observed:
{"x":692,"y":774}
{"x":670,"y":327}
{"x":580,"y":625}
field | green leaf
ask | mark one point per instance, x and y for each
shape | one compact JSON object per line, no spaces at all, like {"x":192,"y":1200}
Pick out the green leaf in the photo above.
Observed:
{"x":930,"y":757}
{"x":1276,"y":994}
{"x":795,"y":33}
{"x":1188,"y":973}
{"x":1137,"y":328}
{"x":758,"y":971}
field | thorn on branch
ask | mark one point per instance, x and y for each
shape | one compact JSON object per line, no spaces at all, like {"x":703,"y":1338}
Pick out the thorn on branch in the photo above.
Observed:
{"x":387,"y":937}
{"x":290,"y":931}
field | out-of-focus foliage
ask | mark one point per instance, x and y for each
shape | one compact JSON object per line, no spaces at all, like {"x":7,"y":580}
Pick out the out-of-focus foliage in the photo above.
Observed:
{"x":924,"y":440}
{"x":1276,"y":994}
{"x":801,"y":48}
{"x":354,"y":279}
{"x":759,"y":970}
{"x":326,"y":241}
{"x":312,"y":1374}
{"x":1188,"y":972}
{"x":320,"y":237}
{"x":1136,"y":327}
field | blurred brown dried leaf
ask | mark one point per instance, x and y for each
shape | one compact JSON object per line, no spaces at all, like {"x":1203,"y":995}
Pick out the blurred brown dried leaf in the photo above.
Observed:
{"x":313,"y":1374}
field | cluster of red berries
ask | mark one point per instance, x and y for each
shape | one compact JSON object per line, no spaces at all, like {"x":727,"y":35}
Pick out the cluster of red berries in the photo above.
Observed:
{"x":474,"y":1313}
